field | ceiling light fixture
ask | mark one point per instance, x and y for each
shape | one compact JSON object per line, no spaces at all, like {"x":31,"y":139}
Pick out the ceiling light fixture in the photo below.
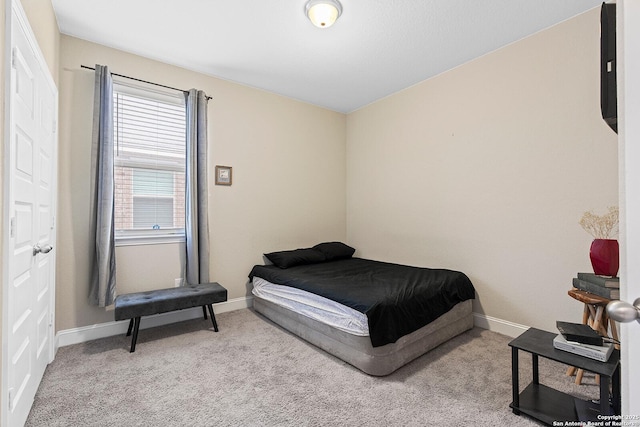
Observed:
{"x":323,"y":13}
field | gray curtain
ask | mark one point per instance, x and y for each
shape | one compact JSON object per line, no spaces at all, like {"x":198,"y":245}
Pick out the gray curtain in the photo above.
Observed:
{"x":196,"y":221}
{"x":103,"y":276}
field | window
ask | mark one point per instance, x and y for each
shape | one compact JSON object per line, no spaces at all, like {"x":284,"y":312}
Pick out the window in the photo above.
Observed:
{"x":149,"y":161}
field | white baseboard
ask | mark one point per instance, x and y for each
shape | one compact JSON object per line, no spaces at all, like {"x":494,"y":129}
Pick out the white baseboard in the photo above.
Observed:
{"x":500,"y":326}
{"x":103,"y":330}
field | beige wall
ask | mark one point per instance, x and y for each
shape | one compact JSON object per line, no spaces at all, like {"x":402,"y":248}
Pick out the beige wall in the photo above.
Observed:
{"x":487,"y":169}
{"x":288,"y":189}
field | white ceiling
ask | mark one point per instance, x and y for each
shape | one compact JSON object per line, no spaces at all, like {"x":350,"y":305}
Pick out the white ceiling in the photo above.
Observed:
{"x":376,"y":48}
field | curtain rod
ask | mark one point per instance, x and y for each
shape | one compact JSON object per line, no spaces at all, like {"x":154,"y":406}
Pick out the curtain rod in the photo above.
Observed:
{"x":143,"y":81}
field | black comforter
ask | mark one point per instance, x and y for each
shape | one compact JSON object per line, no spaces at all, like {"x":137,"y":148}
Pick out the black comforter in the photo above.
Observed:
{"x":397,"y":299}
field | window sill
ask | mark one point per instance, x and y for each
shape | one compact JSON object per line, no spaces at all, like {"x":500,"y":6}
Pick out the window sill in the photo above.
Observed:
{"x":149,"y":240}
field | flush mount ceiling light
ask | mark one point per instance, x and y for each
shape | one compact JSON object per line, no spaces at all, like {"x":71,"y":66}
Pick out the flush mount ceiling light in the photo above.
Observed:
{"x":323,"y":13}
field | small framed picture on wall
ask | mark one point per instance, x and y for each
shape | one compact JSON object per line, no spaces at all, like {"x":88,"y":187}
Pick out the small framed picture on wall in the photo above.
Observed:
{"x":223,"y":175}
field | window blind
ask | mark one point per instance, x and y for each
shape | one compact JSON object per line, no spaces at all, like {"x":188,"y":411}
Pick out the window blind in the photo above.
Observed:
{"x":149,"y":154}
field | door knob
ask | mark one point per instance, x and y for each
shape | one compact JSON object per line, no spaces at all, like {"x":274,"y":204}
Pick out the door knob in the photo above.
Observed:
{"x":624,"y":312}
{"x":44,"y":249}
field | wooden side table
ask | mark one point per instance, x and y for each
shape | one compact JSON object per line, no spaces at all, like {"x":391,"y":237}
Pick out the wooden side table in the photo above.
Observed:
{"x":594,"y":315}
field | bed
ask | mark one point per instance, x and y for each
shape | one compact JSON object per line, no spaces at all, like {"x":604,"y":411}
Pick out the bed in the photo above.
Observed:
{"x":374,"y":315}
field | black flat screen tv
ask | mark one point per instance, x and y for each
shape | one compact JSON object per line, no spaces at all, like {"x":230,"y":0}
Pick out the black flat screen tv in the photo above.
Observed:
{"x":608,"y":96}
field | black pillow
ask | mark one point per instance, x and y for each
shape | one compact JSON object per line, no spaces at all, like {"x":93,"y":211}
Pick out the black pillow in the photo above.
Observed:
{"x":286,"y":259}
{"x":335,"y":250}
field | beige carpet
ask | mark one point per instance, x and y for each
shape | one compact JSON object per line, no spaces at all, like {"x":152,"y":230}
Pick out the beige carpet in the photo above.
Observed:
{"x":252,"y":373}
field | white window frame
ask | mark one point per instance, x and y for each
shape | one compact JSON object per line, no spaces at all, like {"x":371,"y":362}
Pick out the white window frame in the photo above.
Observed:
{"x":149,"y":237}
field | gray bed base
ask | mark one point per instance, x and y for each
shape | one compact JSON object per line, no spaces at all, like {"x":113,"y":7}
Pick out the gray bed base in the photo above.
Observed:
{"x":357,"y":350}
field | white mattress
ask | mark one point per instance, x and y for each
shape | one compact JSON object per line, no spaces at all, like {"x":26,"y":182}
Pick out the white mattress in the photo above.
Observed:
{"x":314,"y":306}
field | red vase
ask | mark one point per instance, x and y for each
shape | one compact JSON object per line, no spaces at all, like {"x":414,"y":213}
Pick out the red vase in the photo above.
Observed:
{"x":605,"y":257}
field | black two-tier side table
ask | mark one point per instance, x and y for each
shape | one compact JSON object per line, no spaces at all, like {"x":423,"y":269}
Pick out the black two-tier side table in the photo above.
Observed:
{"x":547,"y":404}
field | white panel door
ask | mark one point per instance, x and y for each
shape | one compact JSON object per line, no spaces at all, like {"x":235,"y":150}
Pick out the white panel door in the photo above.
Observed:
{"x":31,"y":236}
{"x":44,"y":262}
{"x":628,"y":38}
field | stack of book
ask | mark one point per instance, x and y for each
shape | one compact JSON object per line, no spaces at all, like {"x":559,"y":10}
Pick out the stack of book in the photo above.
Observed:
{"x":604,"y":286}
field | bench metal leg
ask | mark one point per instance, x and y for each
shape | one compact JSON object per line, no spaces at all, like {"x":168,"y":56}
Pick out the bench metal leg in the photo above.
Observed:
{"x":135,"y":334}
{"x":204,"y":311}
{"x":213,"y":317}
{"x":130,"y":326}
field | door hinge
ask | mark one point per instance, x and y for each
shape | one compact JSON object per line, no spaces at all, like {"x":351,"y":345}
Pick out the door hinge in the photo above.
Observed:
{"x":12,"y":226}
{"x":10,"y":399}
{"x":13,"y":57}
{"x":50,"y":320}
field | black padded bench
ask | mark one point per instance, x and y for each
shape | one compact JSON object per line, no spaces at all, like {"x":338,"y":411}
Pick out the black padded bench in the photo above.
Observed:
{"x":134,"y":306}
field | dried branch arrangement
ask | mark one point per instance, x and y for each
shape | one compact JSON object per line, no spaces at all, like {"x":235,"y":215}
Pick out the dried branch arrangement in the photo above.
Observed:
{"x":601,"y":227}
